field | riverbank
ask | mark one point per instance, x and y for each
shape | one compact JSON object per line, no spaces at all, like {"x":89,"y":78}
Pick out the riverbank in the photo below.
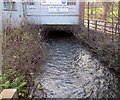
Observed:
{"x":103,"y":46}
{"x":23,"y":51}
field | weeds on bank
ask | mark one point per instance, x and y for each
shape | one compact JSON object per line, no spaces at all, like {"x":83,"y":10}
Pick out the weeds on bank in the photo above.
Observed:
{"x":14,"y":82}
{"x":23,"y":51}
{"x":104,"y":46}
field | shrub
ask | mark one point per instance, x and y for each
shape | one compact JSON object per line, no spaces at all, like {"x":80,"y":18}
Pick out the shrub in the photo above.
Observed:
{"x":22,"y":54}
{"x":22,"y":50}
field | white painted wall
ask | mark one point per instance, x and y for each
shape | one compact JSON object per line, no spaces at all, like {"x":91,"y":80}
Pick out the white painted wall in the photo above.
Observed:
{"x":43,"y":14}
{"x":54,"y":20}
{"x":13,"y":18}
{"x":54,"y":14}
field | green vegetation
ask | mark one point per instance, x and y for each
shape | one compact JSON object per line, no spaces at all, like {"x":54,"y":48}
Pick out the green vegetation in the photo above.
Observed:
{"x":14,"y":82}
{"x":98,"y":14}
{"x":11,"y":80}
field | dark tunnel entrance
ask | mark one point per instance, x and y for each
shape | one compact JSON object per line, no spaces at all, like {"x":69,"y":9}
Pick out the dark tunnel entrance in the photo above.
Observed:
{"x":59,"y":34}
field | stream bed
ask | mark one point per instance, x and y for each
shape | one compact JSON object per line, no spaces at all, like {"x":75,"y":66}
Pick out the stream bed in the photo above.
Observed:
{"x":70,"y":71}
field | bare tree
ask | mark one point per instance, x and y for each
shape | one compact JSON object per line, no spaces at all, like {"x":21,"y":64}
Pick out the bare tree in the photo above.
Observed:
{"x":106,"y":7}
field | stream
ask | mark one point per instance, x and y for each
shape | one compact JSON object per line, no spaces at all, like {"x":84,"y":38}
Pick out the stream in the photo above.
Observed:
{"x":70,"y":71}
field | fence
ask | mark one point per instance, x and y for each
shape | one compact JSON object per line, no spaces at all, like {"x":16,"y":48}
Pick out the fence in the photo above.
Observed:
{"x":106,"y":27}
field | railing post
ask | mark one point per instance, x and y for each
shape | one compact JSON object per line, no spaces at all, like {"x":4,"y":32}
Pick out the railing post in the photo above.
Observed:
{"x":88,"y":19}
{"x":96,"y":25}
{"x":105,"y":27}
{"x":116,"y":28}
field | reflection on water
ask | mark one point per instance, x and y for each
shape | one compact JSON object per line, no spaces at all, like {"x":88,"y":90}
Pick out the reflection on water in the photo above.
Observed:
{"x":71,"y":72}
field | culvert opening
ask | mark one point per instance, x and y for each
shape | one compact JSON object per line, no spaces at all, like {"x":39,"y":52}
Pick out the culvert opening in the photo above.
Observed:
{"x":59,"y":34}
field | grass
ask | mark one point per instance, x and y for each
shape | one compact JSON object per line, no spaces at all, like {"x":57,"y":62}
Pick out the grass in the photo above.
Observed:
{"x":14,"y":82}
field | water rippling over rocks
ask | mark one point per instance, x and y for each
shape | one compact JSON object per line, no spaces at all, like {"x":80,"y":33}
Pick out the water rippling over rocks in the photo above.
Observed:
{"x":71,"y":72}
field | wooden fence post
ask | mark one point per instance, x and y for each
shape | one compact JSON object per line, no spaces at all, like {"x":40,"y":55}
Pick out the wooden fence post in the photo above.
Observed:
{"x":88,"y":19}
{"x":116,"y":28}
{"x":105,"y":27}
{"x":96,"y":25}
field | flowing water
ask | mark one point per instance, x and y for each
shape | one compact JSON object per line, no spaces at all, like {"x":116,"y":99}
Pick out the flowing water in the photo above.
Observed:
{"x":71,"y":72}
